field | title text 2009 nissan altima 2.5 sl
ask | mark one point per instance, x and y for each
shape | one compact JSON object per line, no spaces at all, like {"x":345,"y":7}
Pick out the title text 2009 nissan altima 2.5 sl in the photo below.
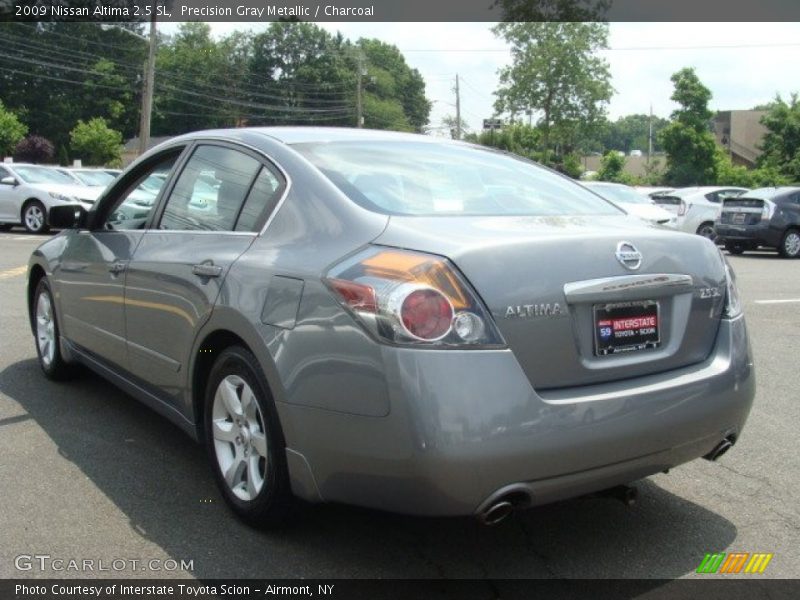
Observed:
{"x":395,"y":321}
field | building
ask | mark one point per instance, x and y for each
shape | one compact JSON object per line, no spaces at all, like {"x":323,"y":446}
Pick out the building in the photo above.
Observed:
{"x":741,"y":133}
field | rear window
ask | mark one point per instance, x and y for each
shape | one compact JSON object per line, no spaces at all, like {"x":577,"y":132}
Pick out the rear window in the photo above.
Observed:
{"x":428,"y":179}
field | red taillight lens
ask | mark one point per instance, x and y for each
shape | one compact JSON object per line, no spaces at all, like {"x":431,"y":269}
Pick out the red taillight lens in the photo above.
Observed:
{"x":412,"y":298}
{"x":682,"y":208}
{"x":426,"y":314}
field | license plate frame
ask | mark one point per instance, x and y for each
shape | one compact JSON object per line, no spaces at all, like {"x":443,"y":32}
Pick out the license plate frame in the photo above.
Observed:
{"x":612,"y":321}
{"x":738,"y":218}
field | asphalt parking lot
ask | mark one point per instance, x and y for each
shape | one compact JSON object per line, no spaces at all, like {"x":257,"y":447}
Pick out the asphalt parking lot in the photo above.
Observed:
{"x":86,"y":472}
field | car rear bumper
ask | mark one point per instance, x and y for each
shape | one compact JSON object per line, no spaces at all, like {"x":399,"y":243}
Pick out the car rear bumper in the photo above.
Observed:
{"x":753,"y":235}
{"x":466,"y":427}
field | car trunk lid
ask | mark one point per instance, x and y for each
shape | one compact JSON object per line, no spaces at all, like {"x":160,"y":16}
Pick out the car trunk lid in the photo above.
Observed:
{"x":544,"y":279}
{"x":742,"y":211}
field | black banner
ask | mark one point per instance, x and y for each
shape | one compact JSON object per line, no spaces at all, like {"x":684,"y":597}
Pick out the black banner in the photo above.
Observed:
{"x":398,"y":10}
{"x":732,"y":588}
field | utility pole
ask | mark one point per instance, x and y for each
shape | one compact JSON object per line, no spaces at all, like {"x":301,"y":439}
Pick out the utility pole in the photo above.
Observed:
{"x":650,"y":136}
{"x":360,"y":92}
{"x":458,"y":111}
{"x":149,"y":81}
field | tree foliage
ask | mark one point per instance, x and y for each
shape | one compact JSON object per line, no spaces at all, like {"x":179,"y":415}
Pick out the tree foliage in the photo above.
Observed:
{"x":95,"y":143}
{"x":612,"y":167}
{"x":690,"y":146}
{"x":557,"y":73}
{"x":627,"y":133}
{"x":34,"y":149}
{"x":52,"y":74}
{"x":12,"y":130}
{"x":781,"y":147}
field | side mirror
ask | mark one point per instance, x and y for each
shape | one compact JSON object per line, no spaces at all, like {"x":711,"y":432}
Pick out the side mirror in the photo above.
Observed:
{"x":9,"y":181}
{"x":70,"y":216}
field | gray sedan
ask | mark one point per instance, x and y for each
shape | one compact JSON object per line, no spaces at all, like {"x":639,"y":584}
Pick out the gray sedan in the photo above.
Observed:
{"x":395,"y":321}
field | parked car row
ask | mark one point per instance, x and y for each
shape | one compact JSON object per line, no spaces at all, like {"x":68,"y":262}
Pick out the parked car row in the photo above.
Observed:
{"x":28,"y":192}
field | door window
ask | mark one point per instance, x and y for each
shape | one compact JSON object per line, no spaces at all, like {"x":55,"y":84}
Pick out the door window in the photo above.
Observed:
{"x":261,"y":200}
{"x":210,"y":191}
{"x":134,"y":206}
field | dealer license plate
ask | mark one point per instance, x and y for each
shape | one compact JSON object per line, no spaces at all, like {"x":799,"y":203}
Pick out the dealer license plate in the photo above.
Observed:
{"x":626,"y":327}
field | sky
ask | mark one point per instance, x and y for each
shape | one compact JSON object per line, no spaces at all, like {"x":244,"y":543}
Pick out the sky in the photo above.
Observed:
{"x":744,"y":64}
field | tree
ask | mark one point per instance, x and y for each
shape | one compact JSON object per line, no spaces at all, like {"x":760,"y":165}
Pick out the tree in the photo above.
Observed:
{"x":11,"y":131}
{"x":35,"y":149}
{"x":612,"y":167}
{"x":781,"y":147}
{"x":557,"y":73}
{"x":631,"y":132}
{"x":95,"y":143}
{"x":690,"y":146}
{"x":451,"y":123}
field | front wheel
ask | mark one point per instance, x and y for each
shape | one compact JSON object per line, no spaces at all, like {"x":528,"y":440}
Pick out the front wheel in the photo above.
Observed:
{"x":46,"y":332}
{"x":790,"y":244}
{"x":734,"y":247}
{"x":245,"y":442}
{"x":34,"y":217}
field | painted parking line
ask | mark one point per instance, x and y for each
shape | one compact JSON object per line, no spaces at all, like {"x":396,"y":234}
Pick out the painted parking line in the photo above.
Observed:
{"x":21,"y":238}
{"x":786,"y":301}
{"x":16,"y":272}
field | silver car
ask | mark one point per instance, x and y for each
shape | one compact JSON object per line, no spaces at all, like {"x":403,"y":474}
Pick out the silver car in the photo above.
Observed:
{"x":396,"y":321}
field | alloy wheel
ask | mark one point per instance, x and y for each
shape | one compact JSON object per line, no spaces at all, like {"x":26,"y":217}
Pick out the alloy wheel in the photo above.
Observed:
{"x":240,"y":439}
{"x":791,"y":244}
{"x":45,"y":328}
{"x":34,"y":218}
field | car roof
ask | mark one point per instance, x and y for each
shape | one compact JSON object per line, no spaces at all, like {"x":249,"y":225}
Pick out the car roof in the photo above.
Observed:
{"x":300,"y":135}
{"x":702,"y":189}
{"x":770,"y":192}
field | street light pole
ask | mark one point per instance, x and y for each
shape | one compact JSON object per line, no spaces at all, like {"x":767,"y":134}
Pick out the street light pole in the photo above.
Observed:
{"x":149,"y":81}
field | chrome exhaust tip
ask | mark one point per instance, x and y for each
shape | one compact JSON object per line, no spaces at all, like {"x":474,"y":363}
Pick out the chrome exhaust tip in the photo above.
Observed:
{"x":721,"y":448}
{"x":496,"y":513}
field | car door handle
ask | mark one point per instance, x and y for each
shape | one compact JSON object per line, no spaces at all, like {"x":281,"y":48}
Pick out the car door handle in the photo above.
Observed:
{"x":117,"y":267}
{"x":207,"y":269}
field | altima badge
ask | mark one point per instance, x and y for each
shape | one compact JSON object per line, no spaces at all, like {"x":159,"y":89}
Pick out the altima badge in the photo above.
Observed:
{"x":628,"y":256}
{"x":534,"y":310}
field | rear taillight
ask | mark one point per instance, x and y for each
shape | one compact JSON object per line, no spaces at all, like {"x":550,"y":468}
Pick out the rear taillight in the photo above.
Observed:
{"x":406,"y":297}
{"x":733,"y":302}
{"x":682,"y":208}
{"x":768,"y":210}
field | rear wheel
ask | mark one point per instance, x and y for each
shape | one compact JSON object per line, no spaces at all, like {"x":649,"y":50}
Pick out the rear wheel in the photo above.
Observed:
{"x":46,"y":332}
{"x":707,"y":231}
{"x":734,"y":247}
{"x":790,"y":244}
{"x":245,"y":442}
{"x":34,"y":217}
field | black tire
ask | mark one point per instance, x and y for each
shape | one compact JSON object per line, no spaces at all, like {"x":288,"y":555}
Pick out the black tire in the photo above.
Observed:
{"x":707,"y":230}
{"x":790,"y":244}
{"x":34,"y":217}
{"x":734,"y":247}
{"x":52,"y":364}
{"x":6,"y":226}
{"x":272,"y":506}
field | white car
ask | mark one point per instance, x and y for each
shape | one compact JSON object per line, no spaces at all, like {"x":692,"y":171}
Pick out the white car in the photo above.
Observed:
{"x":27,"y":192}
{"x":99,"y":178}
{"x":697,"y":207}
{"x":632,"y":202}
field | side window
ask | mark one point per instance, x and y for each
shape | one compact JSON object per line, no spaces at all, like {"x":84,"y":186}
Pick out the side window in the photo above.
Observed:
{"x":262,"y":199}
{"x":4,"y":173}
{"x":210,"y":191}
{"x":133,"y":207}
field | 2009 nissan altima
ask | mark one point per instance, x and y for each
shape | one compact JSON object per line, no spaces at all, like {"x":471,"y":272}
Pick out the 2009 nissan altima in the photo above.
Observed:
{"x":395,"y":321}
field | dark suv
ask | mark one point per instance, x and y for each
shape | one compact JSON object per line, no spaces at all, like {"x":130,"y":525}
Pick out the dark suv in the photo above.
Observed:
{"x":764,"y":217}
